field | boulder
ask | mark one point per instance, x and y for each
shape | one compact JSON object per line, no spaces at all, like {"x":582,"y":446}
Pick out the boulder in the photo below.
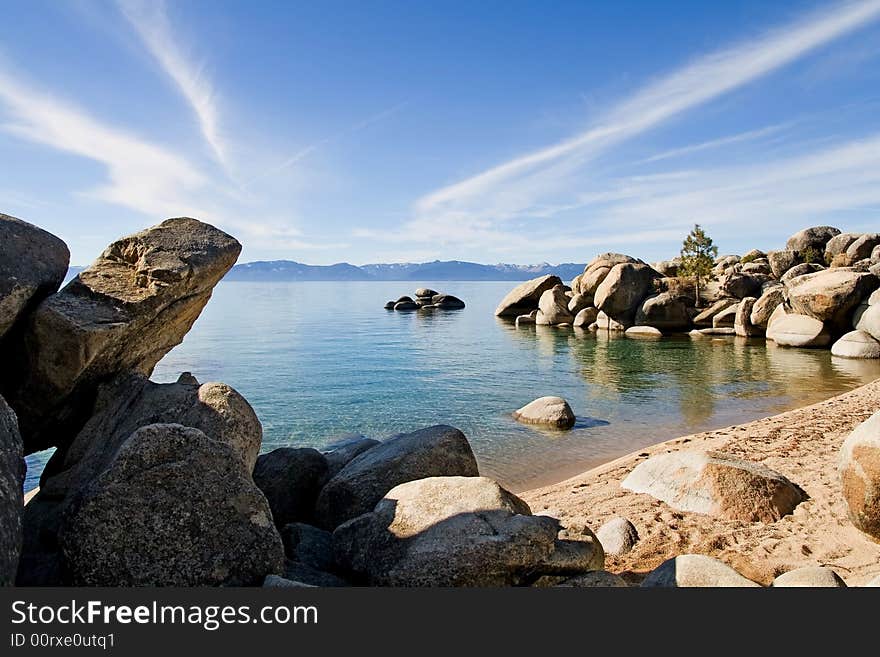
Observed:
{"x":174,"y":508}
{"x":795,"y":330}
{"x":404,"y":299}
{"x":549,"y":411}
{"x":766,"y":304}
{"x":523,"y":299}
{"x":436,"y":451}
{"x":801,"y":270}
{"x":406,"y":305}
{"x":341,"y":454}
{"x":695,"y":570}
{"x":862,"y":247}
{"x":782,"y":261}
{"x":300,"y":572}
{"x":742,"y":322}
{"x":623,"y":290}
{"x":595,"y":579}
{"x":291,"y":479}
{"x":856,"y":344}
{"x":426,"y":292}
{"x":278,"y":582}
{"x":123,"y":313}
{"x":531,"y":318}
{"x":12,"y":471}
{"x":726,"y":318}
{"x":553,"y":304}
{"x":874,"y":582}
{"x":778,"y":313}
{"x":578,"y":302}
{"x":447,"y":302}
{"x":830,"y":295}
{"x":716,"y":484}
{"x":33,"y":263}
{"x":308,"y":545}
{"x":705,"y":317}
{"x":390,"y":305}
{"x":665,"y":311}
{"x":740,"y":286}
{"x":815,"y":238}
{"x":603,"y":321}
{"x":609,"y":260}
{"x":585,"y":317}
{"x":666,"y":268}
{"x":754,"y":254}
{"x":838,"y":245}
{"x":643,"y":332}
{"x":860,"y":475}
{"x":810,"y":576}
{"x":875,"y":255}
{"x":869,"y":321}
{"x":123,"y":406}
{"x":874,"y":299}
{"x":576,"y":283}
{"x":618,"y":536}
{"x":592,"y":279}
{"x":760,"y":268}
{"x":459,"y":531}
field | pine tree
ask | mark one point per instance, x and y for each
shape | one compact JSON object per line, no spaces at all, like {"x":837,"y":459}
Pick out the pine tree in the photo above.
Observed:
{"x":698,"y":258}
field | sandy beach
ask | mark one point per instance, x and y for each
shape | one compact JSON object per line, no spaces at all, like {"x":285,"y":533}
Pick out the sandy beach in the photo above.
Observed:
{"x":802,"y":444}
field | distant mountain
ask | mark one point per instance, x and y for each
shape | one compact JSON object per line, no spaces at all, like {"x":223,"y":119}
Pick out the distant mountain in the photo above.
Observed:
{"x":452,"y":270}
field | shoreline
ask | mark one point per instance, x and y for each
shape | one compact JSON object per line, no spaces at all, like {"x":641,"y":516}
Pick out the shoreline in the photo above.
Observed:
{"x":802,"y":444}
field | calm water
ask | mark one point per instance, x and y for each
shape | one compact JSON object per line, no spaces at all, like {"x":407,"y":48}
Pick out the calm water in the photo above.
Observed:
{"x":321,"y":360}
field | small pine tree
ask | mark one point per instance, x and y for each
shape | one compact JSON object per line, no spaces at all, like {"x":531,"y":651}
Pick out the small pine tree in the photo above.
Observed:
{"x":698,"y":258}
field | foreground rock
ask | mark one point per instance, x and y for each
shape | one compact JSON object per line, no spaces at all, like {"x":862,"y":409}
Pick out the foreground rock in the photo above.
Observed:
{"x":548,"y":411}
{"x":437,"y":451}
{"x":33,"y":263}
{"x":522,"y":299}
{"x":860,"y":476}
{"x":291,"y":479}
{"x":643,"y":332}
{"x":717,"y":485}
{"x":618,"y":536}
{"x":793,"y":330}
{"x":192,"y":517}
{"x":459,"y":531}
{"x":12,"y":471}
{"x":122,"y":407}
{"x":811,"y":576}
{"x":123,"y":313}
{"x":856,"y":344}
{"x":695,"y":570}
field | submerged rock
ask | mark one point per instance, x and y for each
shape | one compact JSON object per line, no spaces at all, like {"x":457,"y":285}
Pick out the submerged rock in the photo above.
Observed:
{"x":665,"y":311}
{"x":705,"y":317}
{"x":585,"y":317}
{"x":550,"y":411}
{"x":695,"y":570}
{"x":643,"y":332}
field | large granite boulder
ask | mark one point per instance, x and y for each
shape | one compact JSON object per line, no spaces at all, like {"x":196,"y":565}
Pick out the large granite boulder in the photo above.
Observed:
{"x":801,"y":270}
{"x":704,"y":317}
{"x":595,"y":579}
{"x":740,"y":286}
{"x":522,"y":299}
{"x":794,"y":330}
{"x":715,"y":484}
{"x":839,"y":244}
{"x":32,"y":265}
{"x":553,"y":305}
{"x":815,"y":238}
{"x":771,"y":297}
{"x":742,"y":323}
{"x":665,"y":311}
{"x":782,"y":261}
{"x":437,"y":451}
{"x":342,"y":453}
{"x":123,"y":406}
{"x":174,"y":508}
{"x":585,"y":317}
{"x":830,"y":295}
{"x":862,"y":247}
{"x":869,"y":321}
{"x":12,"y":471}
{"x":308,"y":545}
{"x":591,"y":279}
{"x":726,"y":318}
{"x":856,"y":344}
{"x":291,"y":479}
{"x":459,"y":531}
{"x":860,"y":475}
{"x":123,"y":313}
{"x":695,"y":570}
{"x":578,"y":302}
{"x":623,"y":289}
{"x":547,"y":411}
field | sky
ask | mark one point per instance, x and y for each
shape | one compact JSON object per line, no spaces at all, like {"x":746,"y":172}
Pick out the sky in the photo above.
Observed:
{"x":497,"y":131}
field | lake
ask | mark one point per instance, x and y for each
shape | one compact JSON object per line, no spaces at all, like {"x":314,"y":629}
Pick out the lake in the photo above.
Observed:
{"x":319,"y":361}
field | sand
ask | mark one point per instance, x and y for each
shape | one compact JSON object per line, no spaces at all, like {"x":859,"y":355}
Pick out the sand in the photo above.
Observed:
{"x":802,"y":444}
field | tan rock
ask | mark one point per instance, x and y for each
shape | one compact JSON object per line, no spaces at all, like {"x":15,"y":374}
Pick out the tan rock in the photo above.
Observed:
{"x":550,"y":411}
{"x":695,"y":570}
{"x":860,"y":476}
{"x":795,"y":330}
{"x":856,"y":344}
{"x":523,"y":299}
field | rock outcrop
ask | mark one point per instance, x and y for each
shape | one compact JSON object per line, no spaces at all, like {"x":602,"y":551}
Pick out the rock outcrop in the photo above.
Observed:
{"x":522,"y":299}
{"x":553,"y":305}
{"x":12,"y":471}
{"x":860,"y":476}
{"x":547,"y":411}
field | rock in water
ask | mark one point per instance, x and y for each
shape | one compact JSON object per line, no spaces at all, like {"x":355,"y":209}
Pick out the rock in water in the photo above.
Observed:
{"x":695,"y":570}
{"x":816,"y":238}
{"x":742,"y":323}
{"x":585,"y":317}
{"x":447,"y":302}
{"x":643,"y":332}
{"x":291,"y":479}
{"x":550,"y":411}
{"x":425,"y":292}
{"x":459,"y":531}
{"x":579,"y":302}
{"x":617,"y":536}
{"x":726,"y":318}
{"x":553,"y":304}
{"x":12,"y":471}
{"x":341,"y":455}
{"x":706,"y":317}
{"x":830,"y":295}
{"x":623,"y":289}
{"x":860,"y":475}
{"x":122,"y":407}
{"x":665,"y":311}
{"x":433,"y":452}
{"x":811,"y":576}
{"x":856,"y":344}
{"x":32,"y":265}
{"x":174,"y":508}
{"x":869,"y":321}
{"x":766,"y":304}
{"x":123,"y":313}
{"x":795,"y":330}
{"x":716,"y":484}
{"x":523,"y":299}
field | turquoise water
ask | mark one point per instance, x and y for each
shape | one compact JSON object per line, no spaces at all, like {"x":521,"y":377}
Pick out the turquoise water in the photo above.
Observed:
{"x":321,"y":360}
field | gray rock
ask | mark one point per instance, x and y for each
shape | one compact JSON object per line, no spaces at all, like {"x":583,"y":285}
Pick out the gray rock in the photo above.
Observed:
{"x":531,"y":318}
{"x":278,"y":582}
{"x":174,"y":508}
{"x":291,"y":479}
{"x":860,"y":475}
{"x":426,"y":292}
{"x":585,"y":317}
{"x":782,"y":261}
{"x":553,"y":304}
{"x":810,"y":576}
{"x":795,"y":330}
{"x":12,"y":471}
{"x":665,"y":311}
{"x":340,"y":455}
{"x":856,"y":344}
{"x":405,"y":299}
{"x":869,"y":321}
{"x":715,"y":484}
{"x":595,"y":579}
{"x":603,"y":321}
{"x":548,"y":411}
{"x":300,"y":572}
{"x":406,"y":305}
{"x":591,"y":279}
{"x":778,"y":313}
{"x":862,"y":247}
{"x":578,"y":302}
{"x":830,"y":295}
{"x":389,"y":306}
{"x":623,"y":289}
{"x":726,"y":318}
{"x":432,"y":452}
{"x":839,"y":244}
{"x":766,"y":304}
{"x":762,"y":268}
{"x":308,"y":545}
{"x":801,"y":270}
{"x":741,"y":286}
{"x":816,"y":238}
{"x":460,"y":531}
{"x":695,"y":570}
{"x":618,"y":536}
{"x":523,"y":299}
{"x":123,"y":313}
{"x":447,"y":302}
{"x":33,"y":263}
{"x":705,"y":317}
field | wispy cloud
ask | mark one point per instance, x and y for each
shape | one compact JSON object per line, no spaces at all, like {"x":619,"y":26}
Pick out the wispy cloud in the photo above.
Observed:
{"x":514,"y":187}
{"x":150,"y":21}
{"x":750,"y":135}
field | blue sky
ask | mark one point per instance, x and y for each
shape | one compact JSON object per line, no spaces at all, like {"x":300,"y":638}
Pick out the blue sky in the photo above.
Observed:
{"x":408,"y":131}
